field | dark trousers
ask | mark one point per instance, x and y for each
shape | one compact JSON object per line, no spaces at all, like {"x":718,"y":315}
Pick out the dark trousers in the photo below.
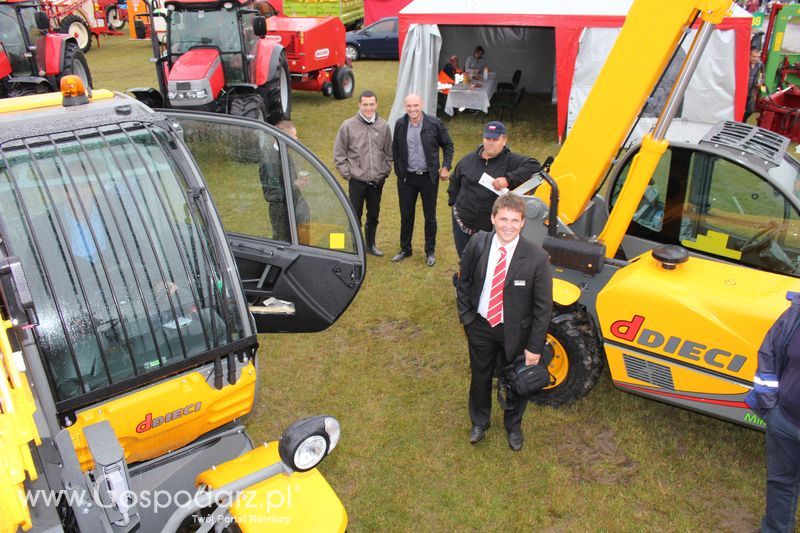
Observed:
{"x":485,"y":346}
{"x":361,"y":192}
{"x":461,"y":239}
{"x":407,"y":191}
{"x":783,"y":473}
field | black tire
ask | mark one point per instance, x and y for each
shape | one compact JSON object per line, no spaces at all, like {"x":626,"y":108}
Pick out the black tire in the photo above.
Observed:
{"x":77,"y":27}
{"x":248,"y":105}
{"x":578,"y":358}
{"x":351,"y":52}
{"x":344,"y":83}
{"x":75,"y":63}
{"x":244,"y":143}
{"x":277,"y":93}
{"x":112,"y":18}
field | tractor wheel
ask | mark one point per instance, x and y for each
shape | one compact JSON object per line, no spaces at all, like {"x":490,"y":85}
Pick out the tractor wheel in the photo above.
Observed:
{"x":248,"y":105}
{"x":351,"y":52}
{"x":75,"y":63}
{"x":112,"y":18}
{"x":577,"y":357}
{"x":344,"y":83}
{"x":77,"y":27}
{"x":277,"y":93}
{"x":244,"y":143}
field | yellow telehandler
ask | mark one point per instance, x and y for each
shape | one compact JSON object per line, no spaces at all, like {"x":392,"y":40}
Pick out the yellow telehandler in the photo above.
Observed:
{"x":130,"y":303}
{"x":674,"y":273}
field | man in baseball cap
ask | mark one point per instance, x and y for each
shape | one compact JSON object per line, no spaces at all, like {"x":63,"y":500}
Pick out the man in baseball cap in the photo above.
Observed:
{"x":471,"y":201}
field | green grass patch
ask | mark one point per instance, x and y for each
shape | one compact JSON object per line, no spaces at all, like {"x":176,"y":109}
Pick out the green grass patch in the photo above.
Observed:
{"x":395,"y":371}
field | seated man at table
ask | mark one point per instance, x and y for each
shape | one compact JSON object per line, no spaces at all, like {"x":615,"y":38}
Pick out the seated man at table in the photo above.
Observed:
{"x":451,"y":68}
{"x":475,"y":62}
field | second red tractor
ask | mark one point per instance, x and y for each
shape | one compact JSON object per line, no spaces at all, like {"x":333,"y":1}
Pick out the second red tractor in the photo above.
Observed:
{"x":240,"y":57}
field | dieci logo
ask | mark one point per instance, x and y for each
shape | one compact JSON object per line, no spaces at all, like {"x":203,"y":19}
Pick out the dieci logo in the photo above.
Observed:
{"x":631,"y":330}
{"x":149,"y":422}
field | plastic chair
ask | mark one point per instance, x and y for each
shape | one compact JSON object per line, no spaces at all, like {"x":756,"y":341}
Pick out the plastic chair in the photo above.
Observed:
{"x":510,"y":102}
{"x":511,"y":87}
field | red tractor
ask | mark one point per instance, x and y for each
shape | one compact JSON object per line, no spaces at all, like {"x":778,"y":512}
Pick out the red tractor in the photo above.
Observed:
{"x":33,"y":59}
{"x":217,"y":59}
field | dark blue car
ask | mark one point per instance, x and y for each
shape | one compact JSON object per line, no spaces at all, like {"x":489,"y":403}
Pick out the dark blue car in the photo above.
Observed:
{"x":378,"y":40}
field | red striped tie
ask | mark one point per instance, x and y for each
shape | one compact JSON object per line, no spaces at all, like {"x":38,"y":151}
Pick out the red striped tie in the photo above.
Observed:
{"x":495,"y":314}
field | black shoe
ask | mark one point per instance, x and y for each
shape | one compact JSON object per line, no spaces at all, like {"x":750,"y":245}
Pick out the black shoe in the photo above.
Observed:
{"x":402,"y":254}
{"x":374,"y":250}
{"x":430,"y":259}
{"x":477,"y":433}
{"x":515,"y":440}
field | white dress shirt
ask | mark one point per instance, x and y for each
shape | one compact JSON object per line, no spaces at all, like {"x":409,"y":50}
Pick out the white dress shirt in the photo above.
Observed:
{"x":494,"y":255}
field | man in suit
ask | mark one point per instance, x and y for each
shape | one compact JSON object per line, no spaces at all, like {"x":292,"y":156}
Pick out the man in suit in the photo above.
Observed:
{"x":415,"y":152}
{"x":504,"y":298}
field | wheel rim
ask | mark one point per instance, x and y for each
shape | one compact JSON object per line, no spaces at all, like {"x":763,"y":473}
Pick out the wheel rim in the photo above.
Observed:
{"x":78,"y":30}
{"x":347,"y":85}
{"x":284,"y":89}
{"x":350,"y":53}
{"x":559,"y":366}
{"x":113,"y":18}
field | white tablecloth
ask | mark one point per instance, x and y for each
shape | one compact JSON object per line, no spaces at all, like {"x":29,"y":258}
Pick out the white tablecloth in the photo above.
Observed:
{"x":477,"y":98}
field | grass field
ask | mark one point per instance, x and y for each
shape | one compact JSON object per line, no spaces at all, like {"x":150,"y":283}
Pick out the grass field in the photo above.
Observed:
{"x":394,"y":370}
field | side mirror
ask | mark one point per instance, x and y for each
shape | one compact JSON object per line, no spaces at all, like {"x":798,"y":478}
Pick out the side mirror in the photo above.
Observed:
{"x":260,"y":26}
{"x":42,"y":20}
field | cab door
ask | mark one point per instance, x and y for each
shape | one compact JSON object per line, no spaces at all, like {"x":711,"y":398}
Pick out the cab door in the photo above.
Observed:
{"x":290,"y":226}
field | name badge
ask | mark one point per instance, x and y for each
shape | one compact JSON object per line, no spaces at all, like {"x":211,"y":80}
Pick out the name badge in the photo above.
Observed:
{"x":519,"y":282}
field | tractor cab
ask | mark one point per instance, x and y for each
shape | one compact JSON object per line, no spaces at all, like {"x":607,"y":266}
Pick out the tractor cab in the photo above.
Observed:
{"x":223,"y":29}
{"x":20,"y":33}
{"x":218,"y":59}
{"x":33,"y":59}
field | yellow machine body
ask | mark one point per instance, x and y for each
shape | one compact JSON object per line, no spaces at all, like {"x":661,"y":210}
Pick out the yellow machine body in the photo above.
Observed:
{"x":17,"y":432}
{"x":689,"y":336}
{"x":301,"y":501}
{"x":163,"y":417}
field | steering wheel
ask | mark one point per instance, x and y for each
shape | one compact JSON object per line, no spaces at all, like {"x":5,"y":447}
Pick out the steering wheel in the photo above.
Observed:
{"x":762,"y":238}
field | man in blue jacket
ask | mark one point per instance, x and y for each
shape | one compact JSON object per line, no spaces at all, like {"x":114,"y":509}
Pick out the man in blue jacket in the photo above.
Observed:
{"x":776,"y":398}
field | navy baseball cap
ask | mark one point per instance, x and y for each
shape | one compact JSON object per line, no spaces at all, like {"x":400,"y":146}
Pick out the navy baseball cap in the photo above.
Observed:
{"x":493,"y":130}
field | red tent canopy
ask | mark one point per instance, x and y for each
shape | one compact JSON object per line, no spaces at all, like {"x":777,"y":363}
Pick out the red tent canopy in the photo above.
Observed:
{"x":569,"y":18}
{"x":374,"y":10}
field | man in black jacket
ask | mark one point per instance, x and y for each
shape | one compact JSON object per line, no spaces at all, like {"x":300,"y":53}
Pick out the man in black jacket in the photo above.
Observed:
{"x":415,"y":152}
{"x":471,"y":197}
{"x":504,"y":295}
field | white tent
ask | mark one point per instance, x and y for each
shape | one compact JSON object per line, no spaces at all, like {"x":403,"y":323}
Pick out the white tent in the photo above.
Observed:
{"x":560,"y":47}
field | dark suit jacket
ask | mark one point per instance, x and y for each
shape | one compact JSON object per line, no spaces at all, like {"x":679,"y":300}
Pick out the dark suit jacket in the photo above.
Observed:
{"x":527,"y":293}
{"x":433,"y":136}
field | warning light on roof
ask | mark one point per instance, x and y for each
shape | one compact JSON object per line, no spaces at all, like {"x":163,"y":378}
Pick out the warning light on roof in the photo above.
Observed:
{"x":73,"y":91}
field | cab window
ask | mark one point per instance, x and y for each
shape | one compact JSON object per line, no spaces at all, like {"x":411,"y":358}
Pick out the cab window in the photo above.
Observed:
{"x":267,"y":185}
{"x":649,"y":215}
{"x":124,"y":272}
{"x":731,"y":212}
{"x":717,"y":207}
{"x":12,"y":39}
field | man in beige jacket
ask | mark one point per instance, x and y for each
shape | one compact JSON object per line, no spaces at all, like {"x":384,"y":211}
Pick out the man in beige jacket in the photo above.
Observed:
{"x":363,"y":156}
